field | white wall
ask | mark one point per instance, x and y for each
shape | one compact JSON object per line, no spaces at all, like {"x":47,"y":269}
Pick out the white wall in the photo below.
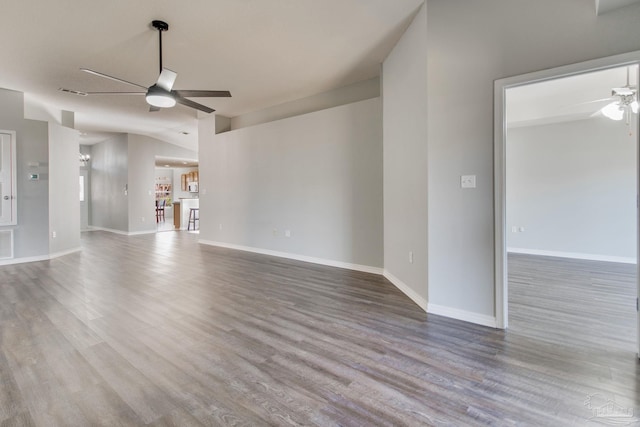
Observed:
{"x":469,"y":45}
{"x":572,"y":187}
{"x":405,"y":161}
{"x":64,"y":203}
{"x":318,"y":175}
{"x":359,"y":91}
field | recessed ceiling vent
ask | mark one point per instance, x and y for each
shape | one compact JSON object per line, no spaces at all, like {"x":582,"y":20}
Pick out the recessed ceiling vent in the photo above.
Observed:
{"x":75,"y":92}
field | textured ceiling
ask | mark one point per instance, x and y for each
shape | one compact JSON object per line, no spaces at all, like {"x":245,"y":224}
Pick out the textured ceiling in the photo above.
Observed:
{"x":265,"y":52}
{"x":604,"y":6}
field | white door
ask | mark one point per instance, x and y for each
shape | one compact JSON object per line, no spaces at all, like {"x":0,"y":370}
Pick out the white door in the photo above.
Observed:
{"x":7,"y":178}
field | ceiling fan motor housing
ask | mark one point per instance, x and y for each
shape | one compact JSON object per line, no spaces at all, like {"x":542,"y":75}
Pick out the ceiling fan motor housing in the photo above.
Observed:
{"x":160,"y":25}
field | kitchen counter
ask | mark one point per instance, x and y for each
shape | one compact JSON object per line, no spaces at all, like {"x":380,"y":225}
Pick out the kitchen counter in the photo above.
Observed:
{"x":181,"y":212}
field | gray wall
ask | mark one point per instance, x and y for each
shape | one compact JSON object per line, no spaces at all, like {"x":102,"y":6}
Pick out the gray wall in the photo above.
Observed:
{"x":142,"y":154}
{"x":318,"y":175}
{"x":405,"y":161}
{"x":109,"y":176}
{"x":85,"y":207}
{"x":127,"y":160}
{"x":31,"y":235}
{"x":64,"y":205}
{"x":469,"y":45}
{"x":31,"y":232}
{"x":572,"y":187}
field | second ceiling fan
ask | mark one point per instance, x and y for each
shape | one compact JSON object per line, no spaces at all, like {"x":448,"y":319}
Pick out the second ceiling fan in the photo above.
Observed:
{"x":161,"y":94}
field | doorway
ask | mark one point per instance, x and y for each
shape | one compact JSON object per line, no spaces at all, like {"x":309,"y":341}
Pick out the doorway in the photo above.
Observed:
{"x":172,"y":179}
{"x":550,"y":207}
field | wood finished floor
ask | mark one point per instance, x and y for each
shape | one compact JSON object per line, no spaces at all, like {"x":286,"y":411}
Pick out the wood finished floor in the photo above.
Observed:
{"x":589,"y":304}
{"x":159,"y":330}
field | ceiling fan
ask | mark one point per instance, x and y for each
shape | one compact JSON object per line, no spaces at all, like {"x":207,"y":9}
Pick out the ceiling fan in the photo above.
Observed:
{"x":625,"y":102}
{"x":161,"y":94}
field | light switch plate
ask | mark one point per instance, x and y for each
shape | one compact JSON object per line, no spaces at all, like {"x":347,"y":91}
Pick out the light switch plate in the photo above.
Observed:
{"x":468,"y":181}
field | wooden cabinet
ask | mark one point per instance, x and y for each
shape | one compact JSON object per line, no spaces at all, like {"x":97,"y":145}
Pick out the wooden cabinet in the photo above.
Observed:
{"x":187,"y":178}
{"x":176,"y":215}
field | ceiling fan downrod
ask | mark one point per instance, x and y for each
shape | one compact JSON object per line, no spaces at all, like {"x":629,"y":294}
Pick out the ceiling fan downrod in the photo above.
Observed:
{"x":160,"y":26}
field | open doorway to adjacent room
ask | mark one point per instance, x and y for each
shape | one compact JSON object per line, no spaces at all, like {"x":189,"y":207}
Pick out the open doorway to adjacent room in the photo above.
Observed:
{"x":569,"y":225}
{"x":176,"y":183}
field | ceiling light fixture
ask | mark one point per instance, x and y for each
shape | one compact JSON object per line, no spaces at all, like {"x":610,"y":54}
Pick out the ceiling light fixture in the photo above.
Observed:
{"x":626,"y":103}
{"x":158,"y":97}
{"x":613,"y":111}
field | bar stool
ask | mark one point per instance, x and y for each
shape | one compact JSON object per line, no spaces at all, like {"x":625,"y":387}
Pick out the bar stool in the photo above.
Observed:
{"x":194,"y":215}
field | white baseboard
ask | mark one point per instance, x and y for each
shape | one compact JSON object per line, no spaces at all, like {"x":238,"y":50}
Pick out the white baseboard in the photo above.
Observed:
{"x":413,"y":295}
{"x":304,"y":258}
{"x":573,"y":255}
{"x":39,"y":257}
{"x":24,"y":260}
{"x":419,"y":300}
{"x":467,"y":316}
{"x":120,"y":232}
{"x":63,"y":253}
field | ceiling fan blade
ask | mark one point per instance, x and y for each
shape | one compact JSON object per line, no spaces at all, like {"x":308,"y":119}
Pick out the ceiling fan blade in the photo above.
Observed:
{"x":189,"y":103}
{"x":204,"y":93}
{"x":116,"y":93}
{"x":153,"y":108}
{"x":106,"y":76}
{"x":167,"y":79}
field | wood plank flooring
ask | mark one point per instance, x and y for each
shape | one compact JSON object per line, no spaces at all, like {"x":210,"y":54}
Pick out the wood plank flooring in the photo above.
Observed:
{"x":159,"y":330}
{"x":584,"y":303}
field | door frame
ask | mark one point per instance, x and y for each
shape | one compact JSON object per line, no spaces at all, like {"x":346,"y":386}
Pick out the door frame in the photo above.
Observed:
{"x":9,"y":176}
{"x":499,"y":147}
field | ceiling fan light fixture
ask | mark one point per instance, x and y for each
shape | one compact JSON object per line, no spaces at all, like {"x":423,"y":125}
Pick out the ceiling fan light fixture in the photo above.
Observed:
{"x":160,"y":98}
{"x":613,"y":111}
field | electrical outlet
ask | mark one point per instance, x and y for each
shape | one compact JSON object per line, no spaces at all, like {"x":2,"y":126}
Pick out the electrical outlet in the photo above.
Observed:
{"x":275,"y":231}
{"x":141,"y":219}
{"x":287,"y":233}
{"x":410,"y":257}
{"x":514,"y":229}
{"x":54,"y":234}
{"x":220,"y":226}
{"x":468,"y":181}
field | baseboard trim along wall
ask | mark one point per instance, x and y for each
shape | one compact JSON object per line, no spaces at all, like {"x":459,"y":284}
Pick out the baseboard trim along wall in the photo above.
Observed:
{"x":467,"y":316}
{"x":421,"y":302}
{"x":304,"y":258}
{"x":453,"y":313}
{"x":63,"y":253}
{"x":38,"y":258}
{"x":122,"y":233}
{"x":573,"y":255}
